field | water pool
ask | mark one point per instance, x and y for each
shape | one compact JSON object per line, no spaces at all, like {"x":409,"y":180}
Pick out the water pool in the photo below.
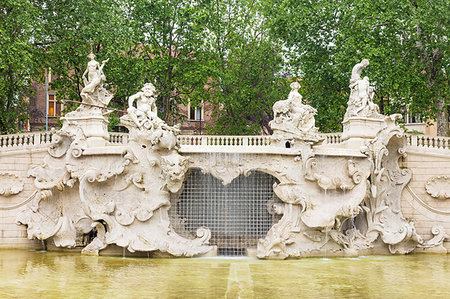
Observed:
{"x":34,"y":274}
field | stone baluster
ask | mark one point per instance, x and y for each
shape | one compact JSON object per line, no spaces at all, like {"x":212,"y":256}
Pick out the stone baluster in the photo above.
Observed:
{"x":414,"y":140}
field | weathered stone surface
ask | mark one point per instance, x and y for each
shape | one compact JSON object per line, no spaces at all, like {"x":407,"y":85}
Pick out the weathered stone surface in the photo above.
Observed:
{"x":334,"y":199}
{"x":10,"y":184}
{"x":119,"y":192}
{"x":294,"y":120}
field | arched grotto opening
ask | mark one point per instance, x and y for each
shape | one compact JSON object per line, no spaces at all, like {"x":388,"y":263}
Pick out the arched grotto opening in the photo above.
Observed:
{"x":238,"y":214}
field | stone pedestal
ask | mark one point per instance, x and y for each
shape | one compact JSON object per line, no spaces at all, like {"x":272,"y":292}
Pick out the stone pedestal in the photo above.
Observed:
{"x":94,"y":127}
{"x":361,"y":127}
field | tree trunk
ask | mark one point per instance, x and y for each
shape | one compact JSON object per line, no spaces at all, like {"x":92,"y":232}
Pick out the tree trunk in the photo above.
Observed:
{"x":442,"y":118}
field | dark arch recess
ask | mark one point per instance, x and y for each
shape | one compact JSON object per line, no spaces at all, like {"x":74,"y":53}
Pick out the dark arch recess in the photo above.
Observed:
{"x":237,"y":214}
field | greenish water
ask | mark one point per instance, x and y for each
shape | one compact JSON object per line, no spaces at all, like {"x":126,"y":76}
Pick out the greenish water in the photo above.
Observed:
{"x":33,"y":274}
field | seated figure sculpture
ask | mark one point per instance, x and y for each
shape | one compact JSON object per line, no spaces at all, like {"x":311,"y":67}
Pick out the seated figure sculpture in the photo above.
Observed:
{"x":143,"y":120}
{"x":146,"y":110}
{"x":292,"y":118}
{"x":360,"y":103}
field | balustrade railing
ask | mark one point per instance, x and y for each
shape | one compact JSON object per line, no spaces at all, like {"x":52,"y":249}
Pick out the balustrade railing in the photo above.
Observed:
{"x":432,"y":142}
{"x":118,"y":138}
{"x":39,"y":138}
{"x":213,"y":140}
{"x":25,"y":139}
{"x":332,"y":138}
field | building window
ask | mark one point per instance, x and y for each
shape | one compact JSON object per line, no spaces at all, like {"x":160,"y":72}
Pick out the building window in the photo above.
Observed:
{"x":412,"y":118}
{"x":54,"y":108}
{"x":195,"y":113}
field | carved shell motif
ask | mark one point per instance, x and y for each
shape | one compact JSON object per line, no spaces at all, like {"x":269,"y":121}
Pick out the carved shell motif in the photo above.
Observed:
{"x":438,"y":187}
{"x":10,"y":184}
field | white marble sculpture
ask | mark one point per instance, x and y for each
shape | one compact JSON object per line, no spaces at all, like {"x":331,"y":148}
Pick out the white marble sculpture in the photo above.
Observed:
{"x":293,"y":119}
{"x":121,"y":194}
{"x":90,"y":115}
{"x":331,"y":200}
{"x":146,"y":112}
{"x":93,"y":91}
{"x":143,"y":120}
{"x":360,"y":103}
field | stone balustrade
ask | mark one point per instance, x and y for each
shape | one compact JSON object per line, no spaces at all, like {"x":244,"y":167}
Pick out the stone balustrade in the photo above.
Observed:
{"x":213,"y":140}
{"x":118,"y":138}
{"x":25,"y":139}
{"x":432,"y":142}
{"x":332,"y":138}
{"x":39,"y":138}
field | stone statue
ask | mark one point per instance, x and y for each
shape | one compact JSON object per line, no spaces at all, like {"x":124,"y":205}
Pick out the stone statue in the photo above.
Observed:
{"x":93,"y":91}
{"x":143,"y":121}
{"x":146,"y":110}
{"x":119,"y":192}
{"x":360,"y":102}
{"x":333,"y":199}
{"x":292,"y":118}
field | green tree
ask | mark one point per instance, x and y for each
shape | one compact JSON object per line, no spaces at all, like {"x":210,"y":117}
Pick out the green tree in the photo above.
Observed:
{"x":168,"y":39}
{"x":75,"y":28}
{"x":17,"y":31}
{"x":405,"y":41}
{"x":245,"y":69}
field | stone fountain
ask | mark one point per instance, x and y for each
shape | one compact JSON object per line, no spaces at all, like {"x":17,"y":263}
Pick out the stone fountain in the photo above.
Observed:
{"x":334,"y":200}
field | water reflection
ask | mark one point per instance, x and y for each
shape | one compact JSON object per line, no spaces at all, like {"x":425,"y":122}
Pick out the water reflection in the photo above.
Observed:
{"x":50,"y":274}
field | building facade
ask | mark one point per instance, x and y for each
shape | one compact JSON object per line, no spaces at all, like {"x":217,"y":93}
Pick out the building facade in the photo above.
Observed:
{"x":45,"y":109}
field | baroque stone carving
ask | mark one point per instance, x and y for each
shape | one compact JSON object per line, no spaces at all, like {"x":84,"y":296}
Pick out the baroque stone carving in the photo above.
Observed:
{"x":293,"y":119}
{"x":438,"y":237}
{"x":144,"y":122}
{"x":10,"y":184}
{"x":119,"y":194}
{"x":438,"y":187}
{"x":337,"y":182}
{"x":360,"y":102}
{"x":382,"y":207}
{"x":344,"y":205}
{"x":328,"y":203}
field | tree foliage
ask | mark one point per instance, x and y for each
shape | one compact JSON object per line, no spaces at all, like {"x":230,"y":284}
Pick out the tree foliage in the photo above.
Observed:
{"x":245,"y":69}
{"x":232,"y":54}
{"x":405,"y":41}
{"x":18,"y":27}
{"x":168,"y":38}
{"x":74,"y":28}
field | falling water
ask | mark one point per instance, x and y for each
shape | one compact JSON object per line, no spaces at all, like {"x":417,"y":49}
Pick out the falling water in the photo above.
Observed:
{"x":44,"y":246}
{"x":326,"y":229}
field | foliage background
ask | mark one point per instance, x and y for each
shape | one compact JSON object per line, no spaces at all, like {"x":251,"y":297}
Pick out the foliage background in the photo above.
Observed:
{"x":239,"y":55}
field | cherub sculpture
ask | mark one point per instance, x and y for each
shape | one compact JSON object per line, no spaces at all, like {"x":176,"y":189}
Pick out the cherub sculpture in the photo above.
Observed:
{"x":145,"y":111}
{"x":142,"y":120}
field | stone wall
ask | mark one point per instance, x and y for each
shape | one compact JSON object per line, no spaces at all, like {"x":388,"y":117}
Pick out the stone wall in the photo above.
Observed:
{"x":425,"y":200}
{"x":15,"y":163}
